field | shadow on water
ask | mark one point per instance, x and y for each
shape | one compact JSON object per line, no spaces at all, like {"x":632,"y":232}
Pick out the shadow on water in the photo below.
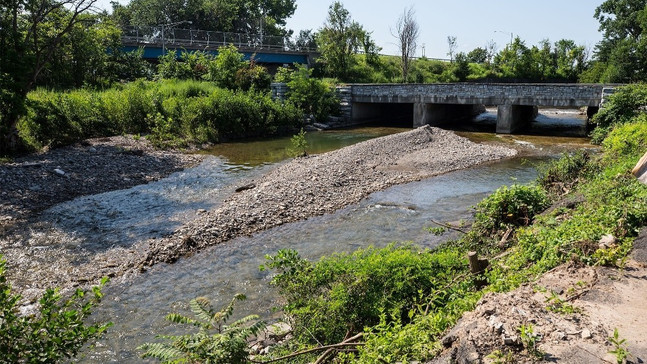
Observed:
{"x":400,"y":213}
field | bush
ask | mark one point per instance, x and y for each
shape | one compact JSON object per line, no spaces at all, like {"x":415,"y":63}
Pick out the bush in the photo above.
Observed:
{"x":626,"y":103}
{"x":176,"y":113}
{"x":344,"y":293}
{"x":507,"y":208}
{"x":313,"y":96}
{"x":56,"y":333}
{"x":559,"y":177}
{"x":215,"y":342}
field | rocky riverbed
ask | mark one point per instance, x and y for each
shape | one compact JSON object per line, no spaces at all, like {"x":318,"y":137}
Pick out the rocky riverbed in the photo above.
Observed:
{"x":299,"y":189}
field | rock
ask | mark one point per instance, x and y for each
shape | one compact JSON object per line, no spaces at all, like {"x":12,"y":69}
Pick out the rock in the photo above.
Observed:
{"x":449,"y":340}
{"x":607,"y":241}
{"x":511,"y":340}
{"x":640,"y":170}
{"x":92,"y":150}
{"x":245,"y":187}
{"x":586,"y":334}
{"x":60,"y":172}
{"x":201,"y":211}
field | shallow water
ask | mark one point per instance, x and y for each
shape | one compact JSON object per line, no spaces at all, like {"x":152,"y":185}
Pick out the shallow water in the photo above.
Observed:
{"x":400,"y":213}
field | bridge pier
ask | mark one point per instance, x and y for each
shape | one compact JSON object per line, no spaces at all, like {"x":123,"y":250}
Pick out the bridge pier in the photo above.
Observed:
{"x":511,"y":118}
{"x":439,"y":114}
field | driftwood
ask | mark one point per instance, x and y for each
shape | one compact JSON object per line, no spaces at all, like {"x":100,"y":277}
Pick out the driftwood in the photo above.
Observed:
{"x":329,"y":348}
{"x":447,"y":226}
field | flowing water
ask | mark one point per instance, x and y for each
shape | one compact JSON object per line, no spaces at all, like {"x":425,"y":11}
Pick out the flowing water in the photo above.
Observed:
{"x":400,"y":213}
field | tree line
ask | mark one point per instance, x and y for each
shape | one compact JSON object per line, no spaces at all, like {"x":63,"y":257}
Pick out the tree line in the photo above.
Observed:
{"x":68,"y":44}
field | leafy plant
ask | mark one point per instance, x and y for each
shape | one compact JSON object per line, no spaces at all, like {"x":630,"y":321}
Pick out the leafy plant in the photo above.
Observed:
{"x":558,"y":305}
{"x":55,"y":333}
{"x":620,"y":349}
{"x":498,"y":357}
{"x":530,"y":340}
{"x":299,"y":144}
{"x":214,"y":342}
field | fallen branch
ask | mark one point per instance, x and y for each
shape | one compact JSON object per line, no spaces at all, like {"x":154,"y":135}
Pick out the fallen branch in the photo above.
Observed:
{"x":447,"y":226}
{"x":343,"y":344}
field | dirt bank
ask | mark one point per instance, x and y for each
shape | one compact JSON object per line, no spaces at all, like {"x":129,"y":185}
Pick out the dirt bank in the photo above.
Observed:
{"x":294,"y":191}
{"x":573,"y":309}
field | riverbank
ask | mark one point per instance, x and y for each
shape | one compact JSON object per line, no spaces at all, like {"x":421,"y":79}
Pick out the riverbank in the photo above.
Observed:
{"x":302,"y":188}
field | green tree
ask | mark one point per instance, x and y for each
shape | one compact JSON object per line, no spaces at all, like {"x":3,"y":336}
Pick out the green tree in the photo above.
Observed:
{"x":266,"y":17}
{"x":32,"y":31}
{"x":623,"y":24}
{"x":57,"y":332}
{"x":477,"y":55}
{"x":461,"y":67}
{"x":225,"y":67}
{"x":310,"y":94}
{"x":339,"y":41}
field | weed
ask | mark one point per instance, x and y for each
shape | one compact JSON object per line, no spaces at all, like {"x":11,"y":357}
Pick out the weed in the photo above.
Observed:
{"x":620,"y":349}
{"x":530,"y":340}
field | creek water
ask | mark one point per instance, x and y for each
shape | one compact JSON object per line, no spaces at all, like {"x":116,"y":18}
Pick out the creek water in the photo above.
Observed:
{"x":399,"y":214}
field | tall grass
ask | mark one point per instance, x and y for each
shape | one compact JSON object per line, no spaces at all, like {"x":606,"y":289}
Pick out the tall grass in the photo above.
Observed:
{"x":173,"y":113}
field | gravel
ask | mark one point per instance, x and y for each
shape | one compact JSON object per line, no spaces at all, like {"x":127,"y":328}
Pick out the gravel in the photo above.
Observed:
{"x":302,"y":188}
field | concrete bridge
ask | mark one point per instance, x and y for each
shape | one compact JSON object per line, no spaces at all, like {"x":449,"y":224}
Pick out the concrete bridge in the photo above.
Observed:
{"x":437,"y":104}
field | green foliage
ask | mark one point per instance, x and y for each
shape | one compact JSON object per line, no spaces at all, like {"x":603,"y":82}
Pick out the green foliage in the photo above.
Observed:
{"x":627,"y":140}
{"x":507,"y":208}
{"x":624,"y":42}
{"x":623,"y":105}
{"x":559,"y":177}
{"x":530,"y":339}
{"x":344,"y":293}
{"x":56,"y":333}
{"x":175,"y":113}
{"x":299,"y":144}
{"x":619,"y":347}
{"x":239,"y":16}
{"x":313,"y":96}
{"x":215,"y":342}
{"x":339,"y":41}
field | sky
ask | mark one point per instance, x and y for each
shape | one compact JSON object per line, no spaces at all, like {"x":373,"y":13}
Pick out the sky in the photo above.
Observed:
{"x":472,"y":22}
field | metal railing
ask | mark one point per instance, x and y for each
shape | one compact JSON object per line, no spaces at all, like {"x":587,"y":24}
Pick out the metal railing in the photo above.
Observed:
{"x":202,"y":38}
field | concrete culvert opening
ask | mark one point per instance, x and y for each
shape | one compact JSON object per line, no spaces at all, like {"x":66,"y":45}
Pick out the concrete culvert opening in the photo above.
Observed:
{"x":377,"y":114}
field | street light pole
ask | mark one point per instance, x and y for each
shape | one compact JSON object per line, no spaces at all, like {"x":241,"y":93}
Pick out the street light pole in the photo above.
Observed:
{"x":504,"y":32}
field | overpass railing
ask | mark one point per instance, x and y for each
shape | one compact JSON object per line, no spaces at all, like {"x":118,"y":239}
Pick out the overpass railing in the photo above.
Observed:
{"x":202,"y":38}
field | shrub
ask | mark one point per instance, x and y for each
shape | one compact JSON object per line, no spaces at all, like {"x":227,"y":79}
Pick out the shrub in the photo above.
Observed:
{"x":507,"y":208}
{"x":57,"y":332}
{"x":343,"y":293}
{"x":623,"y":105}
{"x":313,"y":96}
{"x":560,"y":176}
{"x":215,"y":342}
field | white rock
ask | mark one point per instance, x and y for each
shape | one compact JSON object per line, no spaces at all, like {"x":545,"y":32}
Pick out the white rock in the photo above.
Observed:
{"x":586,"y":334}
{"x":60,"y":172}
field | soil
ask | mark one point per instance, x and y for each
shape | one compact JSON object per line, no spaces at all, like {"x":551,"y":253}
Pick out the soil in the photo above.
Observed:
{"x":595,"y":301}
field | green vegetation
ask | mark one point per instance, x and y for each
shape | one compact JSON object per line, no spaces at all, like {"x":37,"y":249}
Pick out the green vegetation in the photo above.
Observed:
{"x":215,"y":342}
{"x":312,"y":95}
{"x":299,"y":144}
{"x":530,"y":340}
{"x":174,"y":113}
{"x":619,"y":347}
{"x":57,"y":332}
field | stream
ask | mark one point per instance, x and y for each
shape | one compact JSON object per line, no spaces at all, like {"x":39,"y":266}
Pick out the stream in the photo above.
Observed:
{"x":399,"y":214}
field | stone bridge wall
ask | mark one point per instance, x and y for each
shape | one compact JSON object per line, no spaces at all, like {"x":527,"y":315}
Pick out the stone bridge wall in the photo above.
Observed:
{"x":558,"y":95}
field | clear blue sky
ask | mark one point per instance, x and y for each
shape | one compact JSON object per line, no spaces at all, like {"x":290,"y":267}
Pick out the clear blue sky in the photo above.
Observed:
{"x":472,"y":22}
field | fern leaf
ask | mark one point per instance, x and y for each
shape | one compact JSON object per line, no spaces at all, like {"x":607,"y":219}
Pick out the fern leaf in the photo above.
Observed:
{"x":163,"y":352}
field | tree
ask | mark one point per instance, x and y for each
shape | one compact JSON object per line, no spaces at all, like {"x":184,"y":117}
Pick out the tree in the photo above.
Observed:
{"x":32,"y":32}
{"x":623,"y":24}
{"x":407,"y":34}
{"x":491,"y":48}
{"x":451,"y":47}
{"x":339,"y":41}
{"x":477,"y":55}
{"x":306,"y":40}
{"x":461,"y":67}
{"x":267,"y":17}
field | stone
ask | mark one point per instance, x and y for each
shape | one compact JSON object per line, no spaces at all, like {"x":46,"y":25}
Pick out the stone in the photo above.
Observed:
{"x":586,"y":334}
{"x":607,"y":241}
{"x":510,"y":340}
{"x":60,"y":172}
{"x":640,"y":170}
